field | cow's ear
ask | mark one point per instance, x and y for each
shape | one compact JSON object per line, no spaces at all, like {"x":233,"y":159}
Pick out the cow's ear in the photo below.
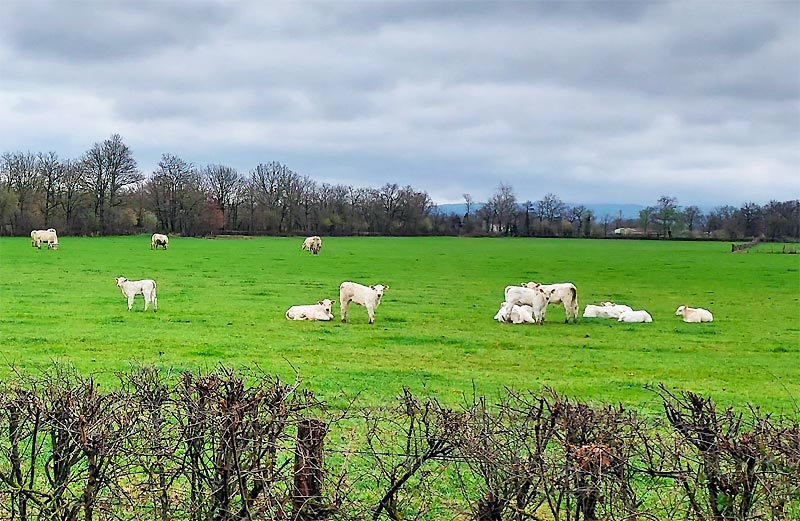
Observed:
{"x":319,"y":302}
{"x":372,"y":287}
{"x":385,"y":288}
{"x":333,"y":302}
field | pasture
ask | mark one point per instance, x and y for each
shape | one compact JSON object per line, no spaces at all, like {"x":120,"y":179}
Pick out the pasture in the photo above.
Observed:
{"x":223,"y":301}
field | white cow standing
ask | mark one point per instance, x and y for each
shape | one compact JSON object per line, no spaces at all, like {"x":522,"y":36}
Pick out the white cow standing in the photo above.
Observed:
{"x":367,"y":296}
{"x":312,"y":244}
{"x":562,"y":292}
{"x":159,"y":239}
{"x":49,"y":236}
{"x":146,"y":288}
{"x":319,"y":311}
{"x":694,"y":314}
{"x":536,"y":298}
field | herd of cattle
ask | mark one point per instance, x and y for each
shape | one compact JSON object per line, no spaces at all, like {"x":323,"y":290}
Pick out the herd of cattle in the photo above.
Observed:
{"x":524,"y":304}
{"x":527,"y":304}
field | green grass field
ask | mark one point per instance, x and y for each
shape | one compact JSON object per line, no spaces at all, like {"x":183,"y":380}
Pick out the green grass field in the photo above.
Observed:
{"x":223,"y":301}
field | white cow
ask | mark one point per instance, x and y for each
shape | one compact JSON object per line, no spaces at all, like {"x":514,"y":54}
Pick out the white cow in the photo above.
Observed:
{"x":146,"y":288}
{"x":605,"y":310}
{"x":563,"y":292}
{"x":49,"y":236}
{"x":312,"y":244}
{"x":159,"y":239}
{"x":635,"y":316}
{"x":367,"y":296}
{"x":694,"y":314}
{"x":319,"y":311}
{"x":536,"y":298}
{"x":517,"y":314}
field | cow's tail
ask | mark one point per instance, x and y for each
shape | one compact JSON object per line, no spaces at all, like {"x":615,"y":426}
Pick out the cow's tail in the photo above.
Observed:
{"x":575,"y":306}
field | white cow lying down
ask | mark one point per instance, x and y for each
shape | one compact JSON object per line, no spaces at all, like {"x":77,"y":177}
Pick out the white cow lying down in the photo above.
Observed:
{"x":146,"y":288}
{"x":635,"y":316}
{"x":694,"y":314}
{"x":605,"y":310}
{"x":517,"y":314}
{"x":367,"y":296}
{"x":319,"y":311}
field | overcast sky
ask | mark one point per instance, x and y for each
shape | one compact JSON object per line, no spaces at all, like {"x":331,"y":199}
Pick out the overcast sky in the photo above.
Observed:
{"x":616,"y":102}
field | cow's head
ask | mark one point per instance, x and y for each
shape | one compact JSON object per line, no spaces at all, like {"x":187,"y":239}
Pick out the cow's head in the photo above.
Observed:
{"x":530,"y":285}
{"x":680,"y":309}
{"x":327,"y":304}
{"x":379,"y":289}
{"x":121,"y":281}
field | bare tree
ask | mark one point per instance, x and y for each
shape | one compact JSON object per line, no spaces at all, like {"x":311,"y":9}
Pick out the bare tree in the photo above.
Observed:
{"x":645,"y":216}
{"x":176,"y":194}
{"x":224,"y":185}
{"x":19,"y":171}
{"x":666,"y":212}
{"x":691,"y":215}
{"x":108,"y":167}
{"x":551,"y":209}
{"x":49,"y":170}
{"x":504,"y":203}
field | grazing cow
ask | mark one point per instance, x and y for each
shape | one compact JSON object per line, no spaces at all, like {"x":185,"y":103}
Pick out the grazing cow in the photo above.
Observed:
{"x":517,"y":314}
{"x":146,"y":288}
{"x":536,"y":298}
{"x":635,"y":316}
{"x":564,"y":292}
{"x":605,"y":310}
{"x":367,"y":296}
{"x":49,"y":236}
{"x":319,"y":311}
{"x":312,"y":244}
{"x":694,"y":314}
{"x":159,"y":239}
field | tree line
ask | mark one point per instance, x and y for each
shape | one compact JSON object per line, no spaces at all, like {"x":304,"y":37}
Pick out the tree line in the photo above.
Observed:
{"x":103,"y":192}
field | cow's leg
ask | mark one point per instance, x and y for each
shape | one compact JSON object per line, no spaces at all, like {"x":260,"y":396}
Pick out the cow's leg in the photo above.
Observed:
{"x":343,"y":309}
{"x":371,"y":313}
{"x":130,"y":302}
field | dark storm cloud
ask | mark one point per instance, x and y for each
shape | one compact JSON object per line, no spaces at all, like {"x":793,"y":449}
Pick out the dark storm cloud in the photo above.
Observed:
{"x":594,"y":101}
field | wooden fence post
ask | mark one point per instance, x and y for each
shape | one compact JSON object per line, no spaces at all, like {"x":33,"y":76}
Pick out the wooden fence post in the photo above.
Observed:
{"x":307,"y":502}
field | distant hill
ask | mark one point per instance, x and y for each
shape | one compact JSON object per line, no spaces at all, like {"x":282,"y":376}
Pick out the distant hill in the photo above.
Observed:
{"x":627,"y":211}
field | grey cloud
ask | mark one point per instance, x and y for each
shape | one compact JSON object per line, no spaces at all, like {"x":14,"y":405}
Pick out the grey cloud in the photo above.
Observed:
{"x":584,"y":99}
{"x":97,"y":31}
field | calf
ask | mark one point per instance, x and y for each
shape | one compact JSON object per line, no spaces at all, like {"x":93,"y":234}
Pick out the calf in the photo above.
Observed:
{"x":49,"y":236}
{"x":517,"y":314}
{"x":312,"y":244}
{"x":563,"y":292}
{"x":694,"y":314}
{"x":536,"y":298}
{"x":605,"y":310}
{"x":159,"y":239}
{"x":635,"y":316}
{"x":319,"y":311}
{"x":146,"y":288}
{"x":367,"y":296}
